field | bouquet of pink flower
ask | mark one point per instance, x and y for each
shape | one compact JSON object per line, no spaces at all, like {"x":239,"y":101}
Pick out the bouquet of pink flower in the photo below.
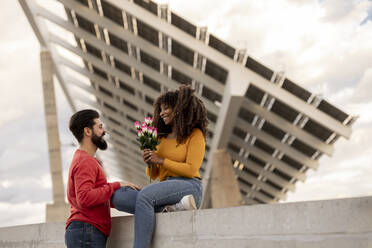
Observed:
{"x":148,"y":136}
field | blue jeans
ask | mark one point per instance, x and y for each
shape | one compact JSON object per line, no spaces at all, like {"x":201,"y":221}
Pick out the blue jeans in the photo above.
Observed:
{"x":83,"y":235}
{"x":151,"y":199}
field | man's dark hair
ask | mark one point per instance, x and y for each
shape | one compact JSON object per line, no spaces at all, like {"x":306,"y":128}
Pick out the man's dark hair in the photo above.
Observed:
{"x":80,"y":120}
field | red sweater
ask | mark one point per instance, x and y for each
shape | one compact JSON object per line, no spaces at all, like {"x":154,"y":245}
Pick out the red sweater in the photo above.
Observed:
{"x":89,"y":193}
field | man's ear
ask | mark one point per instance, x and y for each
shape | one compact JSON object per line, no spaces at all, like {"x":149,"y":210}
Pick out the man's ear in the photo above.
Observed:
{"x":87,"y":131}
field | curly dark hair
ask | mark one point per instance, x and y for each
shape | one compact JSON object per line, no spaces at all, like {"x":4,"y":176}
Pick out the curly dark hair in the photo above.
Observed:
{"x":189,"y":113}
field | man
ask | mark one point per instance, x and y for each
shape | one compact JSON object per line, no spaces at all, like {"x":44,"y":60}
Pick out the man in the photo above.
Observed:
{"x":88,"y":191}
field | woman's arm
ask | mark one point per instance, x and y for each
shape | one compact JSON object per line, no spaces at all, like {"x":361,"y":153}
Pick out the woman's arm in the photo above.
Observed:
{"x":194,"y":157}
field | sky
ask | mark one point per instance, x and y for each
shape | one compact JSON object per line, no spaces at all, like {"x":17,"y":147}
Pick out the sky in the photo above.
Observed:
{"x":323,"y":45}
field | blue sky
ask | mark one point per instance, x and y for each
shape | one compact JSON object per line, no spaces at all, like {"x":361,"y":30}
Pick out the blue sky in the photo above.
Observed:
{"x":323,"y":45}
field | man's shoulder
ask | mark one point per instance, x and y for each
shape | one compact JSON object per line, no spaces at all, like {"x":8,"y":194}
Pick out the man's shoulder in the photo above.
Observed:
{"x":83,"y":159}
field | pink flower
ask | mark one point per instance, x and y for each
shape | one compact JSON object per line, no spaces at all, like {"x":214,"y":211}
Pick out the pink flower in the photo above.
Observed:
{"x":139,"y":133}
{"x":137,"y":125}
{"x":148,"y":121}
{"x":149,"y":130}
{"x":155,"y":133}
{"x":144,"y":129}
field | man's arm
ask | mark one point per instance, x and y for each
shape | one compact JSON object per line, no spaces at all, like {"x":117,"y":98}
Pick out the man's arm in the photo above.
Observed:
{"x":87,"y":195}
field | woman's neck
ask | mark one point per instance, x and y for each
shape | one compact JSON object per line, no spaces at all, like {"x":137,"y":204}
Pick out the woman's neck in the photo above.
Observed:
{"x":173,"y":134}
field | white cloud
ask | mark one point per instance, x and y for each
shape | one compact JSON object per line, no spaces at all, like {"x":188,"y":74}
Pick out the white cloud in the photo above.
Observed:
{"x":363,"y":92}
{"x":22,"y":213}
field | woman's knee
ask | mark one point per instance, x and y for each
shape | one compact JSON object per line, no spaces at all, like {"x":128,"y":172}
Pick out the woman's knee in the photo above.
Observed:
{"x":124,"y":199}
{"x":143,"y":197}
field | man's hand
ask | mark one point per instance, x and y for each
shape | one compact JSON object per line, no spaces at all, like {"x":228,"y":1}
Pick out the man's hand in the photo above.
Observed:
{"x":131,"y":185}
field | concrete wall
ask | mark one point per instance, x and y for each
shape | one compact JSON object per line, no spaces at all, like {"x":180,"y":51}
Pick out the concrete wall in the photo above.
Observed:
{"x":331,"y":223}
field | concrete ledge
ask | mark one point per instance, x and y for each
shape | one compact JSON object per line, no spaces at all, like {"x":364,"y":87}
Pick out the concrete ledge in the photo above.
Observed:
{"x":331,"y":223}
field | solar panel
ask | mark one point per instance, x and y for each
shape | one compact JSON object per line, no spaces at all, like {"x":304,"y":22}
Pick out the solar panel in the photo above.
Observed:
{"x":254,"y":93}
{"x":180,"y":77}
{"x":93,"y":50}
{"x":182,"y":52}
{"x":118,"y":43}
{"x":259,"y":68}
{"x":216,"y":71}
{"x":122,"y":67}
{"x":317,"y":130}
{"x":246,"y":115}
{"x":296,"y":90}
{"x":111,"y":12}
{"x":273,"y":130}
{"x":150,"y":60}
{"x":182,"y":24}
{"x":331,"y":110}
{"x":221,"y":46}
{"x":151,"y":83}
{"x":85,"y":24}
{"x":99,"y":72}
{"x":264,"y":147}
{"x":148,"y":33}
{"x":302,"y":147}
{"x":148,"y":5}
{"x":211,"y":94}
{"x":284,"y":111}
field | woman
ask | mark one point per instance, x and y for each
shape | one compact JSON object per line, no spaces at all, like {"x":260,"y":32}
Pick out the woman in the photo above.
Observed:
{"x":181,"y":119}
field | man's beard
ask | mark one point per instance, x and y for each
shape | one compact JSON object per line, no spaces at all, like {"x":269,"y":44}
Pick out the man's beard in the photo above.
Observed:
{"x":99,"y":141}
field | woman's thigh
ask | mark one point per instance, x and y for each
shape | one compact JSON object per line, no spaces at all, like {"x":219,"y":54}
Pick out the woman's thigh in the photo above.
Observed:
{"x":124,"y":199}
{"x":171,"y":191}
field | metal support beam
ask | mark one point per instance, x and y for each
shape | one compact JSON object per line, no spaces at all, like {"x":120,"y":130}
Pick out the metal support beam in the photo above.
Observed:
{"x":256,"y":194}
{"x":261,"y":171}
{"x":288,"y":127}
{"x":254,"y":181}
{"x":269,"y":159}
{"x":285,"y":148}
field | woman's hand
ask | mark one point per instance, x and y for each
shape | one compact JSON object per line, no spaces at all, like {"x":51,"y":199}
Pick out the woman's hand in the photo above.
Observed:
{"x":150,"y":157}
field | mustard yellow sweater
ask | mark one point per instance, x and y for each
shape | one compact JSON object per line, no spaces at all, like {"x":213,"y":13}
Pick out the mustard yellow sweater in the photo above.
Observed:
{"x":182,"y":160}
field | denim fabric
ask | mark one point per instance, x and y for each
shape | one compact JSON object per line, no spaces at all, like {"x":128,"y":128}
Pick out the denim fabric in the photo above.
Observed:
{"x":124,"y":199}
{"x":153,"y":198}
{"x":84,"y":235}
